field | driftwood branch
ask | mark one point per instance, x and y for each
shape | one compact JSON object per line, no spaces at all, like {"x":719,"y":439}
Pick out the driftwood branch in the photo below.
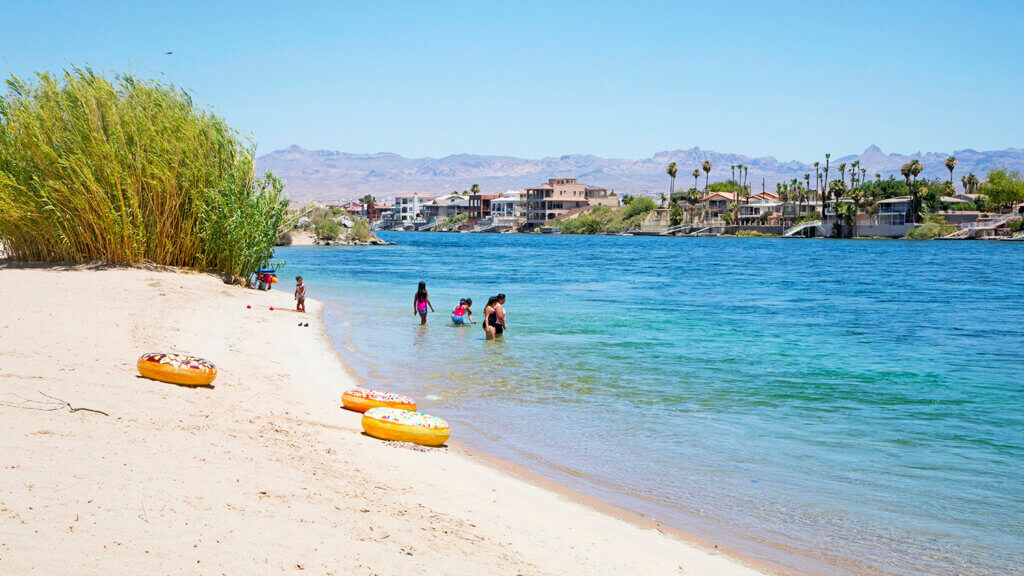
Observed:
{"x":49,"y":405}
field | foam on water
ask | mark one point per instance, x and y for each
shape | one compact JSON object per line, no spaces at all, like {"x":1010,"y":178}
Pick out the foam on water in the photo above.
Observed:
{"x":839,"y":407}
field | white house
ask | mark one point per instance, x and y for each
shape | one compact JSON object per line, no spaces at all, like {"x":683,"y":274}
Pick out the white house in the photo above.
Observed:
{"x":508,"y":205}
{"x":409,"y":207}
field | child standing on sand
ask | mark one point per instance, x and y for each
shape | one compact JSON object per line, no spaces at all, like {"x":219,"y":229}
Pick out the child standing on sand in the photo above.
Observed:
{"x":300,"y":294}
{"x":420,"y":302}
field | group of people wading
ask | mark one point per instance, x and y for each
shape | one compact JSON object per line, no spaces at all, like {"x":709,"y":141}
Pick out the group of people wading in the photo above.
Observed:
{"x":494,"y":312}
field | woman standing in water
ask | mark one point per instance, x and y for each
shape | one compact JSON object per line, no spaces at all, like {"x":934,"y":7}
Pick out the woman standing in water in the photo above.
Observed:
{"x":490,"y":318}
{"x":420,"y":302}
{"x":499,"y":312}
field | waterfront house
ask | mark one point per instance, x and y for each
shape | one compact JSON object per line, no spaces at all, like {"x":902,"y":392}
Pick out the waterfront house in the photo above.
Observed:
{"x":764,"y":203}
{"x":446,"y":206}
{"x":717,"y":203}
{"x":480,"y":205}
{"x":410,"y":207}
{"x":891,"y":219}
{"x":559,"y":196}
{"x":507,"y":205}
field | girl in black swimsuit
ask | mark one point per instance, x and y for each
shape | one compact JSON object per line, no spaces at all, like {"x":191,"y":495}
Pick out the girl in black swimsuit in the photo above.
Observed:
{"x":491,"y":318}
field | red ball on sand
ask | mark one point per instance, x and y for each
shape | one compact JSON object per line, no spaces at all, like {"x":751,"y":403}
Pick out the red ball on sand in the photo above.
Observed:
{"x":271,"y":307}
{"x":248,"y":306}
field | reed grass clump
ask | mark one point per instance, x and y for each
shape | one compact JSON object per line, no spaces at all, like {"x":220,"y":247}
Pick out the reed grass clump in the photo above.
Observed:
{"x":129,"y":171}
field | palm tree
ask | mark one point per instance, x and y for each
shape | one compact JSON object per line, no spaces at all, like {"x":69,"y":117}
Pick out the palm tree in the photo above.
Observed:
{"x":706,"y":167}
{"x":847,"y":212}
{"x":972,"y":183}
{"x":824,"y":185}
{"x":733,"y":167}
{"x":474,"y":189}
{"x":911,"y":170}
{"x":863,"y":174}
{"x":807,"y":178}
{"x":817,"y":177}
{"x":368,"y":199}
{"x":842,"y":172}
{"x":745,"y":170}
{"x":661,"y":195}
{"x":853,"y":173}
{"x":951,"y":163}
{"x":671,"y":171}
{"x":878,"y":176}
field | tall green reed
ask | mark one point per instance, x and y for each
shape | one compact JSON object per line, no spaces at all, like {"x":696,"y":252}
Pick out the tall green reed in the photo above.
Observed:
{"x":127,"y":172}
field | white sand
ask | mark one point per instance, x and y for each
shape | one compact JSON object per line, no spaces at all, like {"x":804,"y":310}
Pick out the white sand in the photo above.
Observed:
{"x":262,"y":474}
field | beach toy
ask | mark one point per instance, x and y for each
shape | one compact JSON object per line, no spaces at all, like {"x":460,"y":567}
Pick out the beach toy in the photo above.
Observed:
{"x":271,"y":307}
{"x":361,"y":400}
{"x":248,"y":306}
{"x":177,"y":369}
{"x":405,"y":426}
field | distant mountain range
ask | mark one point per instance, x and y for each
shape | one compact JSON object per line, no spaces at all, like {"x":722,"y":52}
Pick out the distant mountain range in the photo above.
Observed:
{"x":330,"y":175}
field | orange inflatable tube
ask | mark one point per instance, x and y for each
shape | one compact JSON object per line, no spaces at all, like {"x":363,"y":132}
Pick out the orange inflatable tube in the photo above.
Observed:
{"x":405,"y":426}
{"x":361,"y":400}
{"x":177,"y":369}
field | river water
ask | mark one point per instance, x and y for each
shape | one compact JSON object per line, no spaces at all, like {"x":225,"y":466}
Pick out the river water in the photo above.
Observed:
{"x":835,"y":407}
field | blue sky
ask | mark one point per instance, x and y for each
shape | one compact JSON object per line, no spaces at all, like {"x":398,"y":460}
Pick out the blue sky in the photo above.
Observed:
{"x":788,"y":79}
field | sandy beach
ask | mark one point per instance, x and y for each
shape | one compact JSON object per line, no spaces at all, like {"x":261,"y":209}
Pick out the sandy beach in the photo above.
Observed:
{"x":261,"y":474}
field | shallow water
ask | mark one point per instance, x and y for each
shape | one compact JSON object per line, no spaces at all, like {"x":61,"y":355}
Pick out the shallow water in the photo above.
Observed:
{"x":837,"y":407}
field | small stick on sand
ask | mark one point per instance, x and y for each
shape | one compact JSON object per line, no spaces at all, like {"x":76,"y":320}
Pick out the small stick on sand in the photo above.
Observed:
{"x":49,"y":406}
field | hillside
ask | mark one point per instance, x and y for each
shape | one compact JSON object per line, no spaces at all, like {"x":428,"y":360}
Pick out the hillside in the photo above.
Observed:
{"x":333,"y":175}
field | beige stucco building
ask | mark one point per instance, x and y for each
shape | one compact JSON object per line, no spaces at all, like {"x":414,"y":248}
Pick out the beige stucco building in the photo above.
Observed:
{"x":559,"y":196}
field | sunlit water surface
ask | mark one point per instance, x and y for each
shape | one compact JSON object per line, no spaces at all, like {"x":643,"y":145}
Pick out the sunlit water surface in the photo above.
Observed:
{"x":836,"y":407}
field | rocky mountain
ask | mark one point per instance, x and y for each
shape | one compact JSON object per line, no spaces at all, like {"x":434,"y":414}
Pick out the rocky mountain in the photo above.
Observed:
{"x":332,"y":175}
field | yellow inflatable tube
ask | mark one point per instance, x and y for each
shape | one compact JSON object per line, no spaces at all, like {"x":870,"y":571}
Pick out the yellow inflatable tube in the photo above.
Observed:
{"x":361,"y":400}
{"x":405,"y":426}
{"x":177,"y":369}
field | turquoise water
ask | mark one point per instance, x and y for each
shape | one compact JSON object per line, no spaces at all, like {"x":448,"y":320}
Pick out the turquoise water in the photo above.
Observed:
{"x":839,"y":407}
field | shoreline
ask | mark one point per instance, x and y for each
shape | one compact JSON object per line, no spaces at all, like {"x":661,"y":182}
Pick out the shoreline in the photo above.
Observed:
{"x":244,"y":473}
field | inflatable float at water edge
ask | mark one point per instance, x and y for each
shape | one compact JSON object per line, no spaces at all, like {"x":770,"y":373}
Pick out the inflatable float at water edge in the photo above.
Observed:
{"x":405,"y":426}
{"x":177,"y":369}
{"x":361,"y":400}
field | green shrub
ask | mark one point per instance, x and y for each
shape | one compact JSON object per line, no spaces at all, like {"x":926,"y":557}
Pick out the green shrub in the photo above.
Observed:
{"x":755,"y":234}
{"x":963,"y":208}
{"x":360,"y":231}
{"x":930,"y":230}
{"x":1016,"y":225}
{"x":326,"y":229}
{"x":126,"y":172}
{"x":640,"y":205}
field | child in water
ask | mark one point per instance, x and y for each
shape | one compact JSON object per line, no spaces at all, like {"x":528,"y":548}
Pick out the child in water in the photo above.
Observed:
{"x":300,"y":294}
{"x":420,"y":302}
{"x":462,"y":312}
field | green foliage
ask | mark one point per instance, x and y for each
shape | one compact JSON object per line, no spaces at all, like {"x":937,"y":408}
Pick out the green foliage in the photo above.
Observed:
{"x":640,"y":205}
{"x":126,"y":172}
{"x":1003,"y":187}
{"x":933,"y":227}
{"x":326,"y":229}
{"x":606,"y":220}
{"x":963,"y":207}
{"x":626,"y":199}
{"x":454,"y":219}
{"x":755,"y":234}
{"x":1016,"y":225}
{"x":360,"y":231}
{"x":675,"y":215}
{"x":927,"y":231}
{"x":726,"y":186}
